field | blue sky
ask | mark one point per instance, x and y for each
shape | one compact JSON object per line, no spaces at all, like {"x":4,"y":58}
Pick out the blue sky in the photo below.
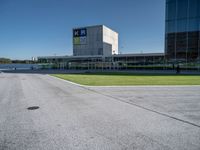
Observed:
{"x":44,"y":27}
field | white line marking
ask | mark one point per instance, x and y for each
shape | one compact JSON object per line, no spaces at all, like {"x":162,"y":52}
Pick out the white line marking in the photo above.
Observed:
{"x":118,"y":86}
{"x":65,"y":80}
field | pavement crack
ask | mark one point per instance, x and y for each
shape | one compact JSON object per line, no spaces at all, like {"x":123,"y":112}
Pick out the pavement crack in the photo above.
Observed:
{"x":133,"y":104}
{"x":142,"y":107}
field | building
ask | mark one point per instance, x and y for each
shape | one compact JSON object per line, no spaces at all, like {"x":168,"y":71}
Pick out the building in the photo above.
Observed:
{"x":95,"y":40}
{"x":182,"y":38}
{"x":114,"y":62}
{"x":96,"y":47}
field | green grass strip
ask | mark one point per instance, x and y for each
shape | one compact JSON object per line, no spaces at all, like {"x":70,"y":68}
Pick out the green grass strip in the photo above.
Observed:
{"x":124,"y":79}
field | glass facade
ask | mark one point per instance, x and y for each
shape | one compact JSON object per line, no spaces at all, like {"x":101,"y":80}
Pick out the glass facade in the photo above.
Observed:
{"x":182,"y":38}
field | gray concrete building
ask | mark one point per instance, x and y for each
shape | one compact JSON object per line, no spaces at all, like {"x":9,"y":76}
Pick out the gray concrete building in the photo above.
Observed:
{"x":95,"y":40}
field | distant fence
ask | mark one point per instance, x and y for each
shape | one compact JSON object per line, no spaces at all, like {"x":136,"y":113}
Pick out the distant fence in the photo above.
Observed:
{"x":119,"y":66}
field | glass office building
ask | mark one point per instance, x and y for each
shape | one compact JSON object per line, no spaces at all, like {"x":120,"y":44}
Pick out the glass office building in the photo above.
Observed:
{"x":182,"y":38}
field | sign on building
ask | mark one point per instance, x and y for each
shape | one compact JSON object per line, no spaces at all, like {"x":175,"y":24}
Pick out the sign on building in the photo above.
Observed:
{"x":79,"y":36}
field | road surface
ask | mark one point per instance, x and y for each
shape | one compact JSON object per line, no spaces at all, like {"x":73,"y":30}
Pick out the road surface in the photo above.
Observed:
{"x":72,"y":117}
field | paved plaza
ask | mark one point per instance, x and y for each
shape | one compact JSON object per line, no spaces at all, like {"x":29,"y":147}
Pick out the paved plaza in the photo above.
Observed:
{"x":40,"y":112}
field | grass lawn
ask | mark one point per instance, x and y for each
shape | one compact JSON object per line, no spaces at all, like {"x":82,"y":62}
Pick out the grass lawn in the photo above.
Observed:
{"x":105,"y":79}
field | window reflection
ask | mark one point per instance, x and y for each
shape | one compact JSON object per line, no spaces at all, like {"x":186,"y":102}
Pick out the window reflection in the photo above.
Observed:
{"x":182,"y":29}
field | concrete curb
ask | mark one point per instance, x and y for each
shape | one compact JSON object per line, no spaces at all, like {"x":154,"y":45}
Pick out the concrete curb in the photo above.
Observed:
{"x":65,"y":80}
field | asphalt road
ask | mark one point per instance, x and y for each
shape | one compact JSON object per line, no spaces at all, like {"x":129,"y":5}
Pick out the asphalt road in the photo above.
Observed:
{"x":72,"y":117}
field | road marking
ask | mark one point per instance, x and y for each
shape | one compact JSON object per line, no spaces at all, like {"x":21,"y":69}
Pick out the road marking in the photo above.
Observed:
{"x":65,"y":80}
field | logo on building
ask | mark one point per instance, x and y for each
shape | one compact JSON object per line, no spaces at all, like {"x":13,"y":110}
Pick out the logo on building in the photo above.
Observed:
{"x":79,"y":36}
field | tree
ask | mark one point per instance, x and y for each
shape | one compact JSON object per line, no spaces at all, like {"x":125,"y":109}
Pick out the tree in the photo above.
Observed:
{"x":5,"y":61}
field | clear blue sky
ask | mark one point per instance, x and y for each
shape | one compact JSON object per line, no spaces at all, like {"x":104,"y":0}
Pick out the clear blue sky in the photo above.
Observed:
{"x":44,"y":27}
